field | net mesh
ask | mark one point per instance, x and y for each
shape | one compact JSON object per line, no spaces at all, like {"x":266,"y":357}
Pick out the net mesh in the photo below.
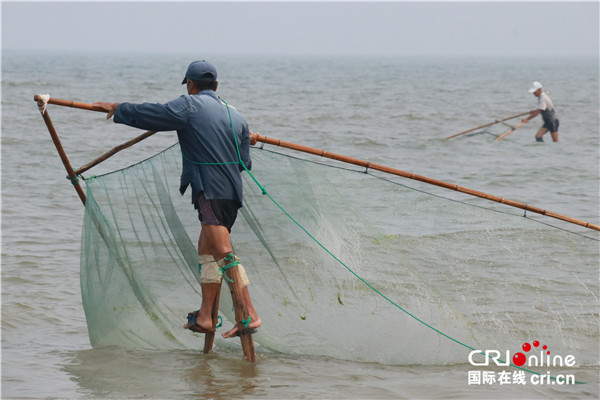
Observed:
{"x":387,"y":272}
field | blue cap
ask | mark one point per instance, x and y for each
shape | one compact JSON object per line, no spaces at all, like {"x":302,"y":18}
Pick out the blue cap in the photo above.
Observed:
{"x":200,"y":71}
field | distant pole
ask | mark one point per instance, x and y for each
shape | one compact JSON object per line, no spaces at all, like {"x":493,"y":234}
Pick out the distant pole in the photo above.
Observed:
{"x":510,"y":130}
{"x":490,"y":124}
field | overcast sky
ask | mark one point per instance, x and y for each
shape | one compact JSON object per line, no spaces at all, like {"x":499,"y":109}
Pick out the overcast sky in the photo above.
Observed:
{"x":387,"y":28}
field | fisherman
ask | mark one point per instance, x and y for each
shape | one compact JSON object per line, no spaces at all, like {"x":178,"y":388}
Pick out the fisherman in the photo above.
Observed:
{"x":546,"y":108}
{"x":212,"y":167}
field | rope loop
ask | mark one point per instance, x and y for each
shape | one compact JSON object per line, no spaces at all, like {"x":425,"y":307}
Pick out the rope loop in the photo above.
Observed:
{"x":74,"y":180}
{"x":246,"y":321}
{"x":42,"y":102}
{"x":232,"y":261}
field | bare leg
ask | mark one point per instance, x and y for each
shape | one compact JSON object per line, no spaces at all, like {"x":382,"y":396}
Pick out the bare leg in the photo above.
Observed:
{"x":214,"y":239}
{"x":539,"y":135}
{"x":554,"y":136}
{"x":204,"y":317}
{"x":255,"y":321}
{"x":209,"y":290}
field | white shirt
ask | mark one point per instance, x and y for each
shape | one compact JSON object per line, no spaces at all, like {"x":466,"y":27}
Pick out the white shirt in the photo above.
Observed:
{"x":544,"y":102}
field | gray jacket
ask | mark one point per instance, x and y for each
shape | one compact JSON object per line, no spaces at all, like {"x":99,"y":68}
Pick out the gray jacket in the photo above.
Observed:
{"x":211,"y":156}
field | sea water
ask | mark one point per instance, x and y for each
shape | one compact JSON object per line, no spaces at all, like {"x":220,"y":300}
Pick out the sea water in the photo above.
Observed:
{"x":392,"y":111}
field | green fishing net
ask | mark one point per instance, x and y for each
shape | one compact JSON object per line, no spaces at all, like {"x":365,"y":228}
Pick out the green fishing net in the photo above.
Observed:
{"x":343,"y":263}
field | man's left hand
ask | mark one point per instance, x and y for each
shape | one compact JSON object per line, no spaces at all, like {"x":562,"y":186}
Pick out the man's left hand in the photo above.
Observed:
{"x":253,"y":138}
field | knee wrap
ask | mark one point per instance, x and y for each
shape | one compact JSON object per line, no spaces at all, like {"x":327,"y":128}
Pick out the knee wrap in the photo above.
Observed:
{"x":244,"y":281}
{"x":209,"y":271}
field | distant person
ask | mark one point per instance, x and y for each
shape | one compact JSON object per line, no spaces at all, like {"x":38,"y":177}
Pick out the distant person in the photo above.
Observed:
{"x":214,"y":140}
{"x":546,"y":108}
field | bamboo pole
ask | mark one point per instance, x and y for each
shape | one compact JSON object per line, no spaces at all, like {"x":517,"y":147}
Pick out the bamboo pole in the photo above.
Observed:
{"x":209,"y":338}
{"x":511,"y":130}
{"x":61,"y":151}
{"x":114,"y":151}
{"x":73,"y":104}
{"x":490,"y":124}
{"x":410,"y":175}
{"x":240,"y":314}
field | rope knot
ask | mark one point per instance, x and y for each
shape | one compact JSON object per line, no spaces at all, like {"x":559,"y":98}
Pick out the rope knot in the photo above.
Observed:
{"x":74,"y":180}
{"x":91,"y":179}
{"x":232,"y":261}
{"x":42,"y":102}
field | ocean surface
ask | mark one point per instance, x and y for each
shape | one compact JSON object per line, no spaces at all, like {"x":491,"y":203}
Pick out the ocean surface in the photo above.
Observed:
{"x":392,"y":111}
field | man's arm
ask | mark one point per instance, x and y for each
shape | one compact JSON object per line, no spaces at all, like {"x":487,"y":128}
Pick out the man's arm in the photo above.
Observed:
{"x":151,"y":116}
{"x":533,"y":114}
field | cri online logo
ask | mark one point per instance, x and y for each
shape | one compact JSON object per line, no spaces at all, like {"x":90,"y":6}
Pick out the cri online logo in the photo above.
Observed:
{"x":529,"y":356}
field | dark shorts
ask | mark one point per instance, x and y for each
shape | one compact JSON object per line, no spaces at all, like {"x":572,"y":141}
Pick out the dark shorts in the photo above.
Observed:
{"x":550,"y":120}
{"x":551,"y":125}
{"x":216,"y":212}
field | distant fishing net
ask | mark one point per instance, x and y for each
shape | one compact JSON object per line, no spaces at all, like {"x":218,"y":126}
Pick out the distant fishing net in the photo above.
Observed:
{"x":363,"y":267}
{"x":483,"y":132}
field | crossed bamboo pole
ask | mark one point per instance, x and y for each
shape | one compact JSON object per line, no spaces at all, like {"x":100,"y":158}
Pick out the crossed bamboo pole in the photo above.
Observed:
{"x":61,"y":151}
{"x":511,"y":130}
{"x":490,"y":124}
{"x":85,"y":106}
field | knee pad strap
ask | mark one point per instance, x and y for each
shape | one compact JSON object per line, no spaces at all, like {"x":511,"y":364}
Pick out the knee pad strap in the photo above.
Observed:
{"x":232,"y":261}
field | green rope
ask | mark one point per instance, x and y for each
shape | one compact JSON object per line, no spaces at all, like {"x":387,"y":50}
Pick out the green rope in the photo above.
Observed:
{"x":207,"y":163}
{"x":264,"y":192}
{"x":230,"y":258}
{"x":74,"y":180}
{"x":246,"y":321}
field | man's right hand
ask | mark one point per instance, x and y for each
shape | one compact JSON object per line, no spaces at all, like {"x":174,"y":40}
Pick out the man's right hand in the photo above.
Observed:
{"x":108,"y":107}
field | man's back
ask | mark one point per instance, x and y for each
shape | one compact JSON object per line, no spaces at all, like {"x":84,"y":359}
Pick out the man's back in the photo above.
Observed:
{"x":204,"y":126}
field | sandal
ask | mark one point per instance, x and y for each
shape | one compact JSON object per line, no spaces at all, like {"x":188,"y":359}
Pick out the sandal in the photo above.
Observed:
{"x":193,"y":326}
